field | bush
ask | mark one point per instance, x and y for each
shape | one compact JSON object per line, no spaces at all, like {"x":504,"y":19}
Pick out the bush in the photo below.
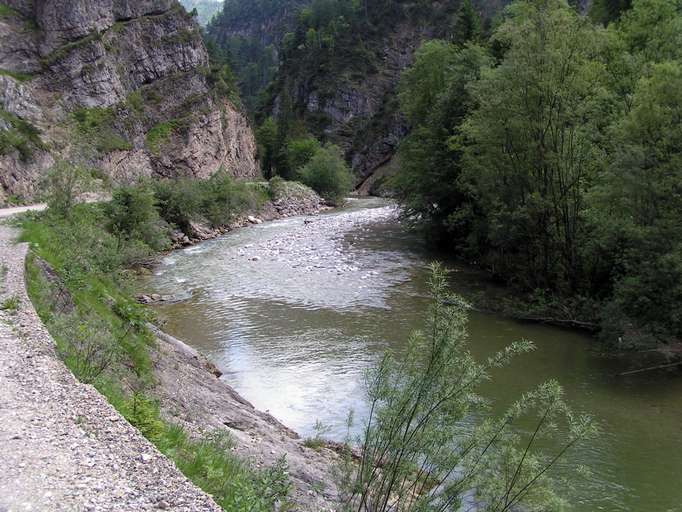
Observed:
{"x":328,"y":174}
{"x":223,"y":198}
{"x":63,"y":183}
{"x":217,"y":200}
{"x":422,"y":445}
{"x":301,"y":151}
{"x":132,"y":215}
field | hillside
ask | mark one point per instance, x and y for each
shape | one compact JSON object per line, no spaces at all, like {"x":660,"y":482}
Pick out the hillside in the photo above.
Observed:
{"x":251,"y":33}
{"x":339,"y":65}
{"x":206,"y":9}
{"x":123,"y":86}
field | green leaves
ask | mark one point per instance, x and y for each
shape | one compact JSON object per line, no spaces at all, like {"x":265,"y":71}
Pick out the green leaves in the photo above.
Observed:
{"x":425,"y":446}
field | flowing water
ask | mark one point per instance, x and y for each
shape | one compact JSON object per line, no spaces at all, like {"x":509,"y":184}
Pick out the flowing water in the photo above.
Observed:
{"x":294,"y":313}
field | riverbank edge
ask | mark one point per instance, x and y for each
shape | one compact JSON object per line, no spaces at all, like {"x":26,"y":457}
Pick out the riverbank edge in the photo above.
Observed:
{"x":88,"y":431}
{"x":186,"y":377}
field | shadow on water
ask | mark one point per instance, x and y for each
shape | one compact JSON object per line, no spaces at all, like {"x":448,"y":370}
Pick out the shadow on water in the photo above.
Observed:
{"x":294,"y":314}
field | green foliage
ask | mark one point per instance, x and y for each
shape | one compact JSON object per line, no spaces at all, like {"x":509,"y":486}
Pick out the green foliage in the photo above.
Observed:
{"x":434,"y":95}
{"x":158,"y":135}
{"x":135,"y":101}
{"x":132,"y":216}
{"x":209,"y":462}
{"x":301,"y":151}
{"x":606,"y":11}
{"x":62,"y":185}
{"x":19,"y":135}
{"x":317,"y":442}
{"x":20,"y":77}
{"x":423,"y":449}
{"x":217,"y":200}
{"x":6,"y":11}
{"x":96,"y":127}
{"x":530,"y":182}
{"x":220,"y":76}
{"x":10,"y":304}
{"x":327,"y":174}
{"x":268,"y":146}
{"x":222,"y":198}
{"x":100,"y":332}
{"x":555,"y":164}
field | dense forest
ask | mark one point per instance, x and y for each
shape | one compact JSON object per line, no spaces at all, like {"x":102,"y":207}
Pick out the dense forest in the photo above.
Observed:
{"x":549,"y":153}
{"x":544,"y":142}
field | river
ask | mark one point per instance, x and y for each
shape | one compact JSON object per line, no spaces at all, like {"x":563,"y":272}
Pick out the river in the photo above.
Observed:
{"x":294,"y":313}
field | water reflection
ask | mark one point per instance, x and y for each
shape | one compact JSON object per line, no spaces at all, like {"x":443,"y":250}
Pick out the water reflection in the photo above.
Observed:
{"x":294,"y":314}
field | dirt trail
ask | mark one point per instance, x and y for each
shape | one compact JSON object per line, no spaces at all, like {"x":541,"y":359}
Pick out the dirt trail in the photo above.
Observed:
{"x":64,"y":448}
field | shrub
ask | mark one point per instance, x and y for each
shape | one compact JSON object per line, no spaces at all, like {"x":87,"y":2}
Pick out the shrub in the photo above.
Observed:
{"x":217,"y":200}
{"x":328,"y":174}
{"x":63,"y":183}
{"x":132,"y":215}
{"x":301,"y":151}
{"x":224,"y":198}
{"x":179,"y":202}
{"x":420,"y":449}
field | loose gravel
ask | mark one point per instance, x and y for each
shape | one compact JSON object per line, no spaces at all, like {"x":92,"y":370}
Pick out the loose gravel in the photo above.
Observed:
{"x":62,"y":446}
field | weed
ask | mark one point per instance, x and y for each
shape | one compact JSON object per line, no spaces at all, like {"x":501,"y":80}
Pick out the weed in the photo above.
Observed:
{"x":10,"y":304}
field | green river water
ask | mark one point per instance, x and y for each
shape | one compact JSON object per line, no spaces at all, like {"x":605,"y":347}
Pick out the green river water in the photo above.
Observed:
{"x":294,"y":313}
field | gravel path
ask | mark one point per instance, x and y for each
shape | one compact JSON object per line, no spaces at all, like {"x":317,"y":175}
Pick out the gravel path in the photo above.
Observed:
{"x":63,"y":447}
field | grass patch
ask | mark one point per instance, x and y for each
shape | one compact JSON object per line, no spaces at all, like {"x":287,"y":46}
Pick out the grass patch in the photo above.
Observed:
{"x":159,"y":135}
{"x":135,"y":102}
{"x":6,"y":11}
{"x":96,"y":126}
{"x":20,"y":77}
{"x":10,"y":304}
{"x":21,"y":136}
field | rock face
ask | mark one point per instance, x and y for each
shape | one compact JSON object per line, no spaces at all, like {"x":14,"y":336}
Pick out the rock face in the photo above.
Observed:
{"x":123,"y":84}
{"x":352,"y":102}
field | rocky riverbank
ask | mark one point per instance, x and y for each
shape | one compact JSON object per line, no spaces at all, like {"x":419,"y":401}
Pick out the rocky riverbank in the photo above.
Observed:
{"x":68,"y":449}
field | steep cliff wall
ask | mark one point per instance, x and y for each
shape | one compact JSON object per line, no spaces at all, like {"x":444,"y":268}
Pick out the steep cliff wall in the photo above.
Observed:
{"x":124,"y":85}
{"x":340,"y":64}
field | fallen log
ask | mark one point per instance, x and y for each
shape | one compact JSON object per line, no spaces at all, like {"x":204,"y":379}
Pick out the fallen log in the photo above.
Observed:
{"x":651,"y":368}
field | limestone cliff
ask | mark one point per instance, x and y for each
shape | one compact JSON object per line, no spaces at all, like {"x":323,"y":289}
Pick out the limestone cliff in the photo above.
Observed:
{"x":340,"y":65}
{"x":125,"y":85}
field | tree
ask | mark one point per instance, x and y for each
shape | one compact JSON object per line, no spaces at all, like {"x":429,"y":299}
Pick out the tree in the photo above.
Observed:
{"x":267,"y":138}
{"x":435,"y":99}
{"x":639,"y":202}
{"x":530,"y":152}
{"x":63,"y":184}
{"x":132,"y":216}
{"x":300,"y":151}
{"x":328,"y":174}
